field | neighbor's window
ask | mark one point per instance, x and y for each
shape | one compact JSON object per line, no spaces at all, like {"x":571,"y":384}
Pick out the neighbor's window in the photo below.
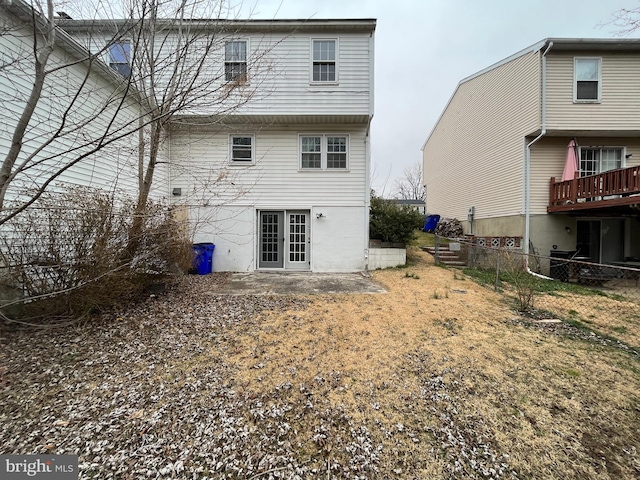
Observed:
{"x":120,"y":57}
{"x":324,"y":152}
{"x":324,"y":61}
{"x":242,"y":148}
{"x":598,"y":160}
{"x":587,"y":79}
{"x":235,"y":61}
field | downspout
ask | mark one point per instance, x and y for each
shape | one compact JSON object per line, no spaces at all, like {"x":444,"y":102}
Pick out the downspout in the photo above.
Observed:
{"x":367,"y":145}
{"x":367,"y":194}
{"x":527,"y":166}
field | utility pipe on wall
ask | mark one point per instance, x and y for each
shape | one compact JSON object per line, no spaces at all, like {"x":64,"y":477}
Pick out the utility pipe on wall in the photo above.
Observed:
{"x":527,"y":164}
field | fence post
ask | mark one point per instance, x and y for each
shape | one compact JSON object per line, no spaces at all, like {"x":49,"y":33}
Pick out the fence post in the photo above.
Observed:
{"x":497,"y":269}
{"x":437,"y":249}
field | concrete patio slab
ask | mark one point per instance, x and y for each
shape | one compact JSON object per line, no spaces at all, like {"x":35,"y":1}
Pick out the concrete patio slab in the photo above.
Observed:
{"x":298,"y":283}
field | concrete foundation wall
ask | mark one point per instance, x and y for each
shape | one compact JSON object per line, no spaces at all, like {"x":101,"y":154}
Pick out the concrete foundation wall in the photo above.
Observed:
{"x":386,"y":257}
{"x":511,"y":226}
{"x":337,"y":238}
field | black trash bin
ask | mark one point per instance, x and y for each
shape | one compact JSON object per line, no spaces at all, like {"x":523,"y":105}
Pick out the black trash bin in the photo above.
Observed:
{"x":558,"y":267}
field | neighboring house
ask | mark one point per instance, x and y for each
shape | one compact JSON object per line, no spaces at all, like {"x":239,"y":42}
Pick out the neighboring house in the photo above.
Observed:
{"x":78,"y":108}
{"x":496,"y":156}
{"x":282,"y":181}
{"x":418,"y":205}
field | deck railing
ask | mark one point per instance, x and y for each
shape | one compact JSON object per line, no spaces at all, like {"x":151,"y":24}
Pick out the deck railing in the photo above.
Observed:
{"x":602,"y":187}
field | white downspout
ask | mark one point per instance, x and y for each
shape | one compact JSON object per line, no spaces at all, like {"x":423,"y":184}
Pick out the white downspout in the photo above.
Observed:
{"x":527,"y":166}
{"x":367,"y":142}
{"x":367,"y":194}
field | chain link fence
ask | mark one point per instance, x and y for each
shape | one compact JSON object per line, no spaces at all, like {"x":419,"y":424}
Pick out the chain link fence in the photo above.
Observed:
{"x":604,"y":298}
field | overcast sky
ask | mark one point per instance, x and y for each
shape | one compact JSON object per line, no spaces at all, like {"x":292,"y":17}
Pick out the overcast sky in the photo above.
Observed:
{"x":423,"y":48}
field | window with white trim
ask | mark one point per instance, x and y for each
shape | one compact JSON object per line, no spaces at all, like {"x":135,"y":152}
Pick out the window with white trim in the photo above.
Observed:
{"x":324,"y":152}
{"x":587,"y":79}
{"x":235,"y":61}
{"x":597,"y":160}
{"x":242,"y":149}
{"x":324,"y":64}
{"x":120,"y":57}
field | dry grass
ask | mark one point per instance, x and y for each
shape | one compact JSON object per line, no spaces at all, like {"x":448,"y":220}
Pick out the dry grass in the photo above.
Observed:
{"x":438,"y":378}
{"x":558,"y":407}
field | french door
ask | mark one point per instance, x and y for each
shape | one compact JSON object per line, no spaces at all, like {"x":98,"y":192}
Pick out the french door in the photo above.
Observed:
{"x":284,"y":239}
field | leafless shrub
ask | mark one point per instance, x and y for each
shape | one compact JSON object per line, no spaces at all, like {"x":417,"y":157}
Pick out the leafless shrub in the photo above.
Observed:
{"x":66,"y":254}
{"x":511,"y":265}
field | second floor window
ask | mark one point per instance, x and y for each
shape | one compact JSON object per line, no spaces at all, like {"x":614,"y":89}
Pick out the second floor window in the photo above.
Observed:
{"x":587,"y":79}
{"x":120,"y":57}
{"x":235,"y":61}
{"x":324,"y":61}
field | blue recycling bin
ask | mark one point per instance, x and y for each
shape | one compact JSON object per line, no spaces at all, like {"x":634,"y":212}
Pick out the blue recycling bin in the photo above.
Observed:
{"x":431,"y":223}
{"x":203,"y":258}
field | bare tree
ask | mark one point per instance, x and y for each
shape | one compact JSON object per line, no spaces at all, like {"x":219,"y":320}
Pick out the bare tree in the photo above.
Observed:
{"x":70,"y":115}
{"x":625,"y":20}
{"x":411,"y":185}
{"x":177,"y":68}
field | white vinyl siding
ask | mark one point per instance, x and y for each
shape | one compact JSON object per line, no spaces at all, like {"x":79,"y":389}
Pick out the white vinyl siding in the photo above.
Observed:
{"x":482,"y":130}
{"x":276,"y":181}
{"x":113,"y":167}
{"x":619,"y":103}
{"x":279,"y":65}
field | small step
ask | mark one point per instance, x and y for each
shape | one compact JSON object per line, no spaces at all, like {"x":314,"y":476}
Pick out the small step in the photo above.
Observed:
{"x":432,"y":250}
{"x":447,"y":254}
{"x":453,"y":263}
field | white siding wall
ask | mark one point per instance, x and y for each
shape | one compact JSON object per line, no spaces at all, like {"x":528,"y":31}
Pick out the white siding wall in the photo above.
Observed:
{"x":224,"y":200}
{"x":475,"y":154}
{"x":620,"y":103}
{"x":279,"y":75}
{"x":80,"y":122}
{"x":200,"y":166}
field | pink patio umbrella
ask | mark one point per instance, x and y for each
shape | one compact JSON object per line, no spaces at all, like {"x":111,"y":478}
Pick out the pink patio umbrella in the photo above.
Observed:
{"x":571,"y":165}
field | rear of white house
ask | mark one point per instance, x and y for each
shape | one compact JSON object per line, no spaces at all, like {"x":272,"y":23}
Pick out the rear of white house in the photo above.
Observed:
{"x":283,"y":183}
{"x":276,"y":174}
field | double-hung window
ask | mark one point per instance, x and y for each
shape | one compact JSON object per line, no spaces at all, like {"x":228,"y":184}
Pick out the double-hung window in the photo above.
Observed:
{"x":587,"y":79}
{"x":235,"y":61}
{"x":324,"y":152}
{"x":324,"y":64}
{"x":242,"y":149}
{"x":120,"y":57}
